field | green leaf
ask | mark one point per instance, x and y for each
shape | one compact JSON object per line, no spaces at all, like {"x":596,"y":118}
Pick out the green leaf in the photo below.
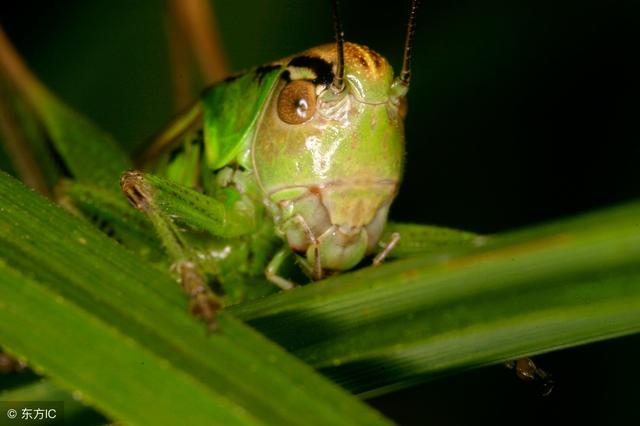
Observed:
{"x":97,"y":320}
{"x":523,"y":293}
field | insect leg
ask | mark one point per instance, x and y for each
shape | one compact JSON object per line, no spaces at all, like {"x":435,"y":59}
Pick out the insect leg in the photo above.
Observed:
{"x":528,"y":371}
{"x":316,"y":272}
{"x":9,"y":364}
{"x":271,"y":272}
{"x":395,"y":237}
{"x":204,"y":303}
{"x":220,"y":218}
{"x":111,"y":213}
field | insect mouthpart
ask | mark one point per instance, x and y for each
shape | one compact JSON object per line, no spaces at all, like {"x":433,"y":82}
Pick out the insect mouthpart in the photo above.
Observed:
{"x":337,"y":224}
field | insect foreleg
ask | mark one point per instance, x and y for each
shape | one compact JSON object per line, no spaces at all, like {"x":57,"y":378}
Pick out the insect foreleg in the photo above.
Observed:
{"x":528,"y":371}
{"x":9,"y":364}
{"x":203,"y":303}
{"x":110,"y":212}
{"x":230,"y":215}
{"x":163,"y":202}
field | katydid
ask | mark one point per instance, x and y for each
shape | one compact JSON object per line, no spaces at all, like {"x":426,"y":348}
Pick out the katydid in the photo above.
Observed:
{"x":300,"y":156}
{"x":307,"y":150}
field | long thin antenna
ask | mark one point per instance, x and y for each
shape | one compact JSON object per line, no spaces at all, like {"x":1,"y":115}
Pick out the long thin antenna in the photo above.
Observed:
{"x":338,"y":79}
{"x":405,"y":74}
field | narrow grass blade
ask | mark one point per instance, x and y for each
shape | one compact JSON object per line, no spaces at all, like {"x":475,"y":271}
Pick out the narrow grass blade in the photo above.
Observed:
{"x":24,"y":143}
{"x":97,"y":320}
{"x":540,"y":289}
{"x":86,"y":152}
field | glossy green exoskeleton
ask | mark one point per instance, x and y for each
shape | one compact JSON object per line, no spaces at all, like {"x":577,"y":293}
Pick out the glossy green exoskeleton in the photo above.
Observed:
{"x":303,"y":155}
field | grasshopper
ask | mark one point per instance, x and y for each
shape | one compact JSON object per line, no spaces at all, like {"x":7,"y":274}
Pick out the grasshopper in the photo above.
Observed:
{"x":299,"y":157}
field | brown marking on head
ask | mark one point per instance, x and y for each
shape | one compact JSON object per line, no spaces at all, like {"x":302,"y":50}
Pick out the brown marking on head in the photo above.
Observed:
{"x":366,"y":58}
{"x":377,"y":59}
{"x":357,"y":58}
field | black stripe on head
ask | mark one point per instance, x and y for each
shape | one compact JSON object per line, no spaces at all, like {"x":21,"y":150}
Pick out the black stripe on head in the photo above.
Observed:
{"x":264,"y":70}
{"x":232,"y":78}
{"x":320,"y":67}
{"x":286,"y":76}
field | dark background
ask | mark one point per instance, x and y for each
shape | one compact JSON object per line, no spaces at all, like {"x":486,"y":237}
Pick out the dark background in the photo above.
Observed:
{"x":519,"y":112}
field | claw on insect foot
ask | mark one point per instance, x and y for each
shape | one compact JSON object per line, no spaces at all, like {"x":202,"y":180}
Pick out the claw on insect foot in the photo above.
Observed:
{"x":527,"y":370}
{"x":9,"y":364}
{"x":205,"y":307}
{"x":135,"y":189}
{"x":203,"y":303}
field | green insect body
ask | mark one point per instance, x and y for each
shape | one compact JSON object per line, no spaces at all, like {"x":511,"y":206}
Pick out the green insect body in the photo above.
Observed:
{"x":314,"y":169}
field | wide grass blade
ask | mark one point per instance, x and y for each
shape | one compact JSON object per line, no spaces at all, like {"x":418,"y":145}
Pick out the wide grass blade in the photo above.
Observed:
{"x":97,"y":320}
{"x":113,"y":214}
{"x":75,"y":412}
{"x":540,"y":289}
{"x":420,"y":239}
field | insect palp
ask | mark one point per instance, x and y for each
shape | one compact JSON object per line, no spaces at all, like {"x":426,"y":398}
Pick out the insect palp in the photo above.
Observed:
{"x":338,"y":79}
{"x":317,"y":265}
{"x":380,"y":257}
{"x":271,"y":271}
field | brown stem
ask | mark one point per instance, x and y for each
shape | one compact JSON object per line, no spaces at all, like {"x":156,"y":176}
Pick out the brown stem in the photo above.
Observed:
{"x":15,"y":72}
{"x":195,"y":20}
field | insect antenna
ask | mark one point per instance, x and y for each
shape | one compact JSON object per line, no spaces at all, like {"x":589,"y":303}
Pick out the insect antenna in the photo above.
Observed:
{"x":405,"y":74}
{"x":338,"y":79}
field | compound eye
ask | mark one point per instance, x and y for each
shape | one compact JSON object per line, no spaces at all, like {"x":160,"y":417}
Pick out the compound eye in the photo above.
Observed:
{"x":297,"y":102}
